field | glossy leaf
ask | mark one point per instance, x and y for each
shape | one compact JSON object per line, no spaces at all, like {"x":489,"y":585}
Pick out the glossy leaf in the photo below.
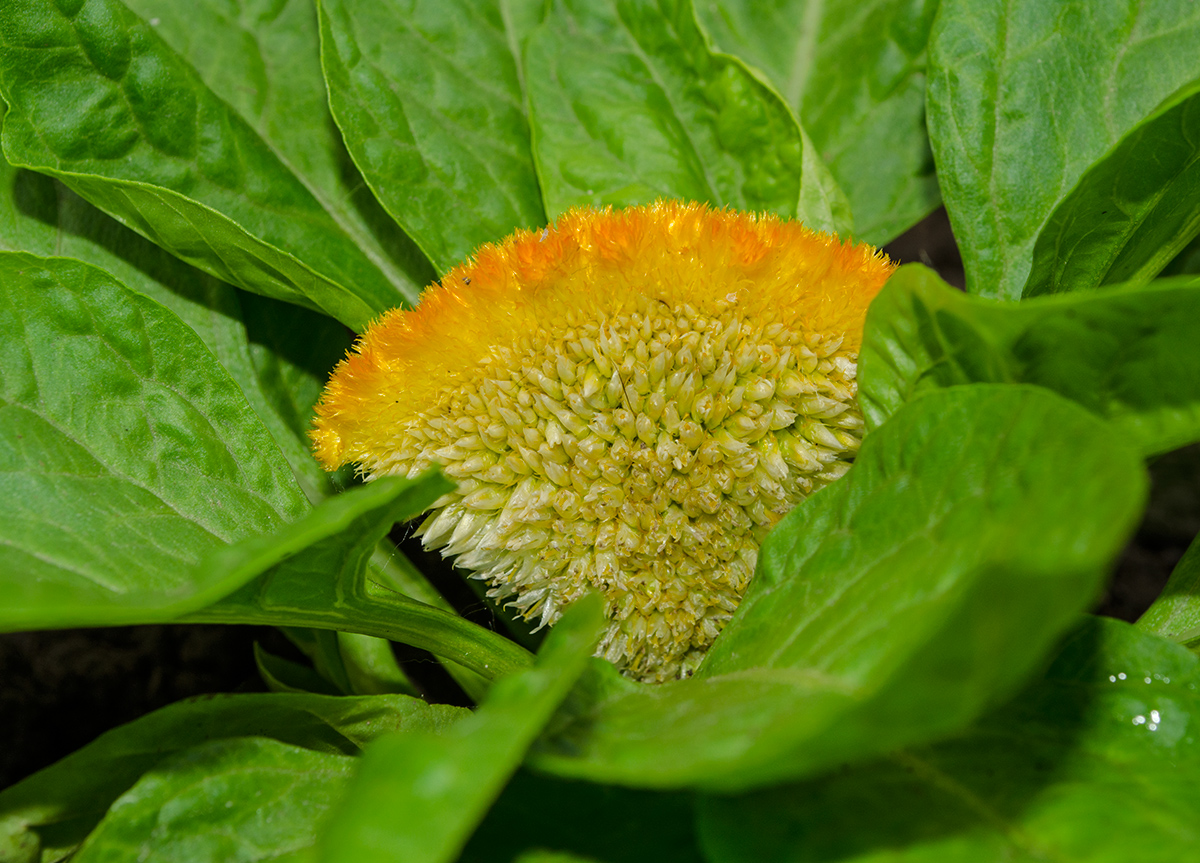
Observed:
{"x":1132,"y":212}
{"x":281,"y":360}
{"x":892,"y":607}
{"x":163,"y":153}
{"x":428,"y":98}
{"x":1125,"y":353}
{"x":602,"y":823}
{"x":416,"y":797}
{"x":854,"y":74}
{"x":1024,"y":96}
{"x":628,"y":103}
{"x":54,"y":809}
{"x":279,"y":354}
{"x":268,"y":69}
{"x":1095,"y":762}
{"x":245,"y":799}
{"x":129,"y":454}
{"x":186,"y":417}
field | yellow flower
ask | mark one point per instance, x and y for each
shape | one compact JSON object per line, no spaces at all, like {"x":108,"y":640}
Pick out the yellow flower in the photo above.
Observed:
{"x":628,"y":400}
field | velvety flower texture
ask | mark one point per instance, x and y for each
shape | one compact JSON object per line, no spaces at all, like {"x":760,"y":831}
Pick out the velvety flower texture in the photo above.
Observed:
{"x":629,"y":401}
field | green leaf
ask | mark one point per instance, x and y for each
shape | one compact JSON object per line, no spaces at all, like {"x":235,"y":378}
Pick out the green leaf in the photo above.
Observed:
{"x":1132,"y":212}
{"x":279,"y":354}
{"x":1175,"y":614}
{"x":1097,"y":761}
{"x":854,"y":74}
{"x":173,"y":443}
{"x":57,"y":807}
{"x":1024,"y":96}
{"x":247,"y":799}
{"x":324,"y":578}
{"x":628,"y":103}
{"x":890,"y":608}
{"x":593,"y":822}
{"x":823,"y":205}
{"x":268,"y":69}
{"x":128,"y":453}
{"x":1125,"y":353}
{"x":281,"y":357}
{"x":444,"y":785}
{"x":159,"y":150}
{"x":429,"y":100}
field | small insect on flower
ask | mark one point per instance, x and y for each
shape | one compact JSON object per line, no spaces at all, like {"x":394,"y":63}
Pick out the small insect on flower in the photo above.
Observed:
{"x":629,"y":401}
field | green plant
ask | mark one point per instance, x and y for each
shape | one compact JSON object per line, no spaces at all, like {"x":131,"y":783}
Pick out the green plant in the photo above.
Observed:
{"x":199,"y":198}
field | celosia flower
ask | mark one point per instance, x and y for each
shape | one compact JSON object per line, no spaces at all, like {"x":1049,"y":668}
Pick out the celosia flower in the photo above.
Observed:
{"x":628,"y":400}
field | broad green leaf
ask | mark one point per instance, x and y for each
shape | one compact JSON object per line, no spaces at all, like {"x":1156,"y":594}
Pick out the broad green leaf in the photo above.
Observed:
{"x":281,"y":357}
{"x":54,"y":809}
{"x":1126,"y":353}
{"x":1132,"y":212}
{"x":325,"y":579}
{"x":1095,"y":762}
{"x":416,"y":798}
{"x":1024,"y":96}
{"x":263,"y":58}
{"x":628,"y":103}
{"x":158,"y":149}
{"x":428,"y":98}
{"x":128,"y":453}
{"x":279,"y":354}
{"x":247,"y":799}
{"x":173,"y":515}
{"x":1176,"y":612}
{"x":594,"y":822}
{"x":891,"y":608}
{"x":854,"y":74}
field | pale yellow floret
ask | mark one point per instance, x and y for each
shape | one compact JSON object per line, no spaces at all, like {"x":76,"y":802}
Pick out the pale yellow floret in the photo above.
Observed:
{"x":629,"y":401}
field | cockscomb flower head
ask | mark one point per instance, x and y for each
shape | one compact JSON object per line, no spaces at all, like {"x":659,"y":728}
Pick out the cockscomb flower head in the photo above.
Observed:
{"x":629,"y":400}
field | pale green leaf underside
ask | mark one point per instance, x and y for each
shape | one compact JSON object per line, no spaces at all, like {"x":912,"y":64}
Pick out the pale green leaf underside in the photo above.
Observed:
{"x":1132,"y":212}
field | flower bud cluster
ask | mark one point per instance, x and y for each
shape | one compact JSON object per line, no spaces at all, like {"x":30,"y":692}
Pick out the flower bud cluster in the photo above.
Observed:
{"x":629,"y":400}
{"x":644,"y":456}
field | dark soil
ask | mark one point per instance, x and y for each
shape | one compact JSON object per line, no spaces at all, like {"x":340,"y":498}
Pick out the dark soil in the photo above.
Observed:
{"x":61,"y":689}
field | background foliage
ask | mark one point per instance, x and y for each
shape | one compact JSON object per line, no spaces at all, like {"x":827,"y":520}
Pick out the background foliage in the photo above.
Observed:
{"x":198,"y":202}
